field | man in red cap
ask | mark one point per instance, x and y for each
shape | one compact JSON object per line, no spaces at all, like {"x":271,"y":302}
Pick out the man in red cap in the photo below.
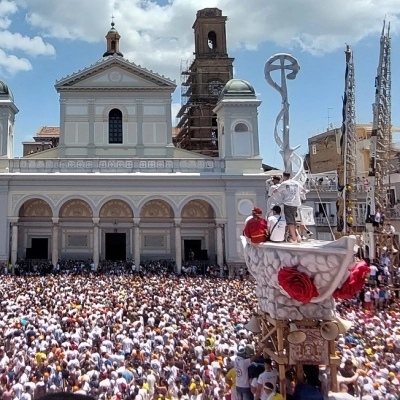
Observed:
{"x":256,"y":227}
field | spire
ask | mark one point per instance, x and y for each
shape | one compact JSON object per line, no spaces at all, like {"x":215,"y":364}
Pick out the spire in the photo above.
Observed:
{"x":112,"y":41}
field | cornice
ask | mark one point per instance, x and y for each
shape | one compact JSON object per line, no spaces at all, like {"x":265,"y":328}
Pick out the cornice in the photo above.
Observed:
{"x":106,"y":63}
{"x":117,"y":89}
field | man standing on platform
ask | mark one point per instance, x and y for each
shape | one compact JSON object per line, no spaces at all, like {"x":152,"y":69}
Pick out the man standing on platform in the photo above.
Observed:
{"x":256,"y":227}
{"x":273,"y":199}
{"x":291,"y":197}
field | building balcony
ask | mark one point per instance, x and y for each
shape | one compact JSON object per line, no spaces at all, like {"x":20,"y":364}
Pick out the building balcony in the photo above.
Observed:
{"x":313,"y":186}
{"x":123,"y":166}
{"x":394,"y":213}
{"x":325,"y":221}
{"x":322,"y":182}
{"x":328,"y":183}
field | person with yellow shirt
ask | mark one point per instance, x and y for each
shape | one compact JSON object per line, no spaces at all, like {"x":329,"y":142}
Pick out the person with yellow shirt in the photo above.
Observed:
{"x":196,"y":387}
{"x":230,"y":378}
{"x":40,"y":357}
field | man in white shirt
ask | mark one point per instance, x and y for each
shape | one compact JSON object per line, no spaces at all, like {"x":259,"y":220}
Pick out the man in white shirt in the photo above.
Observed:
{"x":373,"y":269}
{"x":269,"y":375}
{"x":242,"y":365}
{"x":290,"y":191}
{"x":273,"y":199}
{"x":276,"y":225}
{"x":342,"y":395}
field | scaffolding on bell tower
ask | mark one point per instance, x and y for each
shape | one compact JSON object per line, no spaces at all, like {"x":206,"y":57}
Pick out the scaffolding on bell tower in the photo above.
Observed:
{"x":202,"y":80}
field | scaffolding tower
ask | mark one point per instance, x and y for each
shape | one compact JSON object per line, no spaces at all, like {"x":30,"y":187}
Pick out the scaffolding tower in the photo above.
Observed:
{"x":377,"y":240}
{"x":381,"y":136}
{"x":347,"y":210}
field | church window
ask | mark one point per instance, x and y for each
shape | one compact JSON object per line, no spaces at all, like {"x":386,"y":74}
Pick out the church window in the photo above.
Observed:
{"x":212,"y":40}
{"x":241,"y":141}
{"x":115,"y":126}
{"x":112,"y":44}
{"x":314,"y":149}
{"x":240,"y":127}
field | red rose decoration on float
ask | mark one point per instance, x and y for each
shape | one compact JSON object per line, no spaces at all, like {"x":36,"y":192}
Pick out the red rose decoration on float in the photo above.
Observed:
{"x":354,"y":282}
{"x":297,"y":285}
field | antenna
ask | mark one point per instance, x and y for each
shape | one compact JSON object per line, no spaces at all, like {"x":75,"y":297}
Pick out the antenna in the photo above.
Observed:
{"x":329,"y":118}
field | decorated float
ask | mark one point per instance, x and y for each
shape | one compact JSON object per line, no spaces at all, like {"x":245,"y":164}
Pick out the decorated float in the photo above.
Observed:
{"x":297,"y":284}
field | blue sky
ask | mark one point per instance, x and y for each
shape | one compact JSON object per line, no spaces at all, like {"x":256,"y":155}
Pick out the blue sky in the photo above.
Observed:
{"x":39,"y":44}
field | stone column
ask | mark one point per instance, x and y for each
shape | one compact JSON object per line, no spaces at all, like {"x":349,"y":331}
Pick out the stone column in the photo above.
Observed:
{"x":96,"y":242}
{"x":220,"y":245}
{"x":168,"y":112}
{"x":178,"y":245}
{"x":14,"y":243}
{"x":139,"y":116}
{"x":136,"y":241}
{"x":131,"y":242}
{"x":61,"y":144}
{"x":91,"y":147}
{"x":54,"y":242}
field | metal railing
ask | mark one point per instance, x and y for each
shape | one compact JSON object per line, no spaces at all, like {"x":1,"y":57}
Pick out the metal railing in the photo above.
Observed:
{"x":321,"y":182}
{"x":325,"y":221}
{"x":394,"y":213}
{"x":329,"y":183}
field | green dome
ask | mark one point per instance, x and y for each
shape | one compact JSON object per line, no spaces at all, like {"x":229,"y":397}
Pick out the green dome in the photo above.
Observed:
{"x":238,"y":88}
{"x":5,"y":91}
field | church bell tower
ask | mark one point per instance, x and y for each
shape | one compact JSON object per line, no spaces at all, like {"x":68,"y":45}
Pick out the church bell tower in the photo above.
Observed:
{"x":112,"y":38}
{"x":202,"y":82}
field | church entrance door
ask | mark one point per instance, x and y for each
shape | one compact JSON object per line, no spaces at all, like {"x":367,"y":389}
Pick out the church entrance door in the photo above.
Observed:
{"x":39,"y":249}
{"x":193,"y":250}
{"x":115,"y":246}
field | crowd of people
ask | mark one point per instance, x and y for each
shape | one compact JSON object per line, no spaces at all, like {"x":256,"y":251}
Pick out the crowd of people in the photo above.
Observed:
{"x":72,"y":266}
{"x":162,"y":336}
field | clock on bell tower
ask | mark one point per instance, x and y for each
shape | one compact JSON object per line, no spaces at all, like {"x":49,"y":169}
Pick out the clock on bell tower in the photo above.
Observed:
{"x":202,"y":81}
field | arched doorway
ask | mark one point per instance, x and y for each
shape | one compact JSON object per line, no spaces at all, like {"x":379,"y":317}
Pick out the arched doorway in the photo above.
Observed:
{"x":34,"y":230}
{"x":116,"y":217}
{"x":156,"y":230}
{"x":76,"y":230}
{"x":198,"y":231}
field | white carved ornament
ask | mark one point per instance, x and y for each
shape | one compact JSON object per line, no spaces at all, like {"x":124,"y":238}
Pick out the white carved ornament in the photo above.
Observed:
{"x":156,"y":209}
{"x":35,"y":208}
{"x":197,"y":209}
{"x":116,"y":209}
{"x":76,"y":209}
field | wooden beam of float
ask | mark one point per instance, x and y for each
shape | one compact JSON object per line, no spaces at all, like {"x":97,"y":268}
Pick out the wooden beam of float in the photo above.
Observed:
{"x":273,"y":356}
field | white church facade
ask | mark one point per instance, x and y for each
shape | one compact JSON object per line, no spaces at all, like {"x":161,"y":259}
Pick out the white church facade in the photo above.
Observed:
{"x":116,"y":187}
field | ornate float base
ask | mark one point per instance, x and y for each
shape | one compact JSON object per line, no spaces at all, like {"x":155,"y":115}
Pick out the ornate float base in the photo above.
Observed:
{"x":327,"y":264}
{"x":276,"y":346}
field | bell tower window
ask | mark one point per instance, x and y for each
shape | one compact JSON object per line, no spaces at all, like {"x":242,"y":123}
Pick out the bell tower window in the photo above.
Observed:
{"x":115,"y":126}
{"x":212,"y":40}
{"x":113,"y":45}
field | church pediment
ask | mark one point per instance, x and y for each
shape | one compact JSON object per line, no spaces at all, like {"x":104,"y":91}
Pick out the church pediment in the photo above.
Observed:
{"x":115,"y":73}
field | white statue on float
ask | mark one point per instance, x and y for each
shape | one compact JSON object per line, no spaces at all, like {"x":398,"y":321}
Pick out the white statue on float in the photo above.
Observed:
{"x":305,"y":214}
{"x":296,"y":282}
